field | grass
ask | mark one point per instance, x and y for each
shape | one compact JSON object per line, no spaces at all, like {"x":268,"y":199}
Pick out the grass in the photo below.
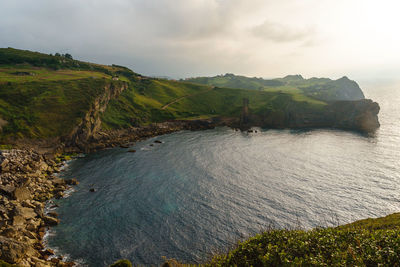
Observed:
{"x":370,"y":242}
{"x":47,"y":108}
{"x":142,"y":103}
{"x":10,"y":74}
{"x":309,"y":90}
{"x":47,"y":96}
{"x":296,"y":94}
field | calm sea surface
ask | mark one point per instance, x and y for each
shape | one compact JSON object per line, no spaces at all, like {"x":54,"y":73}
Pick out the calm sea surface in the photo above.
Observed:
{"x":199,"y":192}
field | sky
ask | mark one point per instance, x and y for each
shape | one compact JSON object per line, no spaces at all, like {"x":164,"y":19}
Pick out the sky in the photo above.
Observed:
{"x":188,"y":38}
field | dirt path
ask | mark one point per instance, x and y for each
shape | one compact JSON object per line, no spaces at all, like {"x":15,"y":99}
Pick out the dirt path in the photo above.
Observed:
{"x":185,"y":96}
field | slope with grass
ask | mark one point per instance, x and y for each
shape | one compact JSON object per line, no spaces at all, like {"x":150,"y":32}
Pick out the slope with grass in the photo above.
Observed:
{"x":370,"y":242}
{"x":55,"y":96}
{"x":302,"y":89}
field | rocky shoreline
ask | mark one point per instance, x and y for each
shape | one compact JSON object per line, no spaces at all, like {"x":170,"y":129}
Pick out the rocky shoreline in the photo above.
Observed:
{"x":27,"y":183}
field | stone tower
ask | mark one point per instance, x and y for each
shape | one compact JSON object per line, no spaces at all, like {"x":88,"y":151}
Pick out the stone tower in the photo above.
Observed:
{"x":244,"y":117}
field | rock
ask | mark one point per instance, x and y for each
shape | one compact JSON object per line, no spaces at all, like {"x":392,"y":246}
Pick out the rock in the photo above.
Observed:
{"x":12,"y":251}
{"x":55,"y":260}
{"x":7,"y":190}
{"x":18,"y":220}
{"x":50,"y":221}
{"x":151,"y":145}
{"x":58,"y":181}
{"x":59,"y":195}
{"x":92,"y":190}
{"x":124,"y":146}
{"x":46,"y":253}
{"x":158,"y":142}
{"x":22,"y":193}
{"x":72,"y":181}
{"x":53,"y":214}
{"x":132,"y":150}
{"x":26,"y":213}
{"x":5,"y":165}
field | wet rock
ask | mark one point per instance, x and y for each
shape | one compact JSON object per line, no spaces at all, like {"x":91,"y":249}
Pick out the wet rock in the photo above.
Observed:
{"x":46,"y":253}
{"x":92,"y":190}
{"x":72,"y":181}
{"x":50,"y":221}
{"x":53,"y":214}
{"x":158,"y":142}
{"x":132,"y":150}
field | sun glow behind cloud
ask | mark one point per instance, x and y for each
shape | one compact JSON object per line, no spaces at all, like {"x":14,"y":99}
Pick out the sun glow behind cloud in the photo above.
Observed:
{"x":181,"y":38}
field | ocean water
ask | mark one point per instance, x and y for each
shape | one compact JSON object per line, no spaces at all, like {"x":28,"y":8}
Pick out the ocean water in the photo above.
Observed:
{"x":197,"y":193}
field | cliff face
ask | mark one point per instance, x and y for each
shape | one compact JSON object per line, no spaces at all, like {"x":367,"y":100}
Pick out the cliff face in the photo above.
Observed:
{"x":91,"y":123}
{"x":360,"y":115}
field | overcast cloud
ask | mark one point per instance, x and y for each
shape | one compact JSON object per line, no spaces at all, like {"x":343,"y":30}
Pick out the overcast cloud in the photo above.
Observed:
{"x":182,"y":38}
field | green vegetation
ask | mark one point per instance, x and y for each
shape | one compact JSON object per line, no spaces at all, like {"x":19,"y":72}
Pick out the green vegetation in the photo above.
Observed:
{"x":370,"y":242}
{"x":47,"y":108}
{"x":49,"y":95}
{"x":15,"y":57}
{"x":302,"y":89}
{"x":143,"y":103}
{"x":121,"y":263}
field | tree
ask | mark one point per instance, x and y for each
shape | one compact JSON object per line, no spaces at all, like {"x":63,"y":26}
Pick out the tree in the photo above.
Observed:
{"x":68,"y":56}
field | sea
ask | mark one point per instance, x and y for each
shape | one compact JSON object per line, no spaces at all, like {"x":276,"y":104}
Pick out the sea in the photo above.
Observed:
{"x":198,"y":193}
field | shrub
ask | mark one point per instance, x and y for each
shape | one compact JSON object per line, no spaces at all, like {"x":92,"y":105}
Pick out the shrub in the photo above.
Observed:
{"x":121,"y":263}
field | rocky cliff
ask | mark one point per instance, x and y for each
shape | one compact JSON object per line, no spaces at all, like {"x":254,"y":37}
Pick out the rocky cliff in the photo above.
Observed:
{"x":360,"y":115}
{"x":90,"y":125}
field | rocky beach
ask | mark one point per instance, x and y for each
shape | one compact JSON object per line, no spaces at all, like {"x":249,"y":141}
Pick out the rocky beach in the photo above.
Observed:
{"x":27,"y":183}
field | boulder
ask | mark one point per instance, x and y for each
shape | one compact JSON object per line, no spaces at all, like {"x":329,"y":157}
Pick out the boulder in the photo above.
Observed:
{"x":26,"y":213}
{"x":50,"y":221}
{"x":12,"y":251}
{"x":7,"y":190}
{"x":22,"y":193}
{"x":72,"y":181}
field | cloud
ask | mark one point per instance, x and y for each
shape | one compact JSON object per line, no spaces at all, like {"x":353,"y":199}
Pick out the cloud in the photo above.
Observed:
{"x":182,"y":38}
{"x":281,"y":33}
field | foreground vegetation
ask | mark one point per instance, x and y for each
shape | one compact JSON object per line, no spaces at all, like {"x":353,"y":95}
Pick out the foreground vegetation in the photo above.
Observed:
{"x":371,"y":242}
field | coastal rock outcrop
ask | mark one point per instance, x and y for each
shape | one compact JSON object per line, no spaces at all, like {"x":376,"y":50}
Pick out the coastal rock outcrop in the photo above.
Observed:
{"x":360,"y":115}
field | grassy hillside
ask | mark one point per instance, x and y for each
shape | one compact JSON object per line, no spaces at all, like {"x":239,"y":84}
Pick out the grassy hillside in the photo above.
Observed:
{"x":303,"y":89}
{"x":40,"y":99}
{"x":371,"y":242}
{"x":48,"y":95}
{"x":146,"y":101}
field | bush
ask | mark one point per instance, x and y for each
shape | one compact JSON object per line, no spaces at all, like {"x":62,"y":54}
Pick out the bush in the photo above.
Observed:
{"x":121,"y":263}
